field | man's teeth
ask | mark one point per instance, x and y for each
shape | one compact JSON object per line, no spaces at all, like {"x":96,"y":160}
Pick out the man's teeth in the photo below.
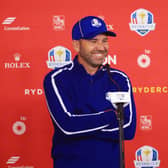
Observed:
{"x":99,"y":55}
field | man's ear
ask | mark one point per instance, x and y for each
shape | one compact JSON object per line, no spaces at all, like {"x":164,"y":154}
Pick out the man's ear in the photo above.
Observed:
{"x":76,"y":45}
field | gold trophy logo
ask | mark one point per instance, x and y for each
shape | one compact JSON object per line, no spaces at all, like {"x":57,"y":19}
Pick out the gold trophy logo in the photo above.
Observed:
{"x":146,"y":153}
{"x":142,"y":15}
{"x":59,"y":55}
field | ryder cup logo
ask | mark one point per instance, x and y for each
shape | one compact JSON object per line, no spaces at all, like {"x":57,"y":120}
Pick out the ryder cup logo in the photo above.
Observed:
{"x":58,"y":57}
{"x":96,"y":23}
{"x":142,"y":22}
{"x":147,"y":156}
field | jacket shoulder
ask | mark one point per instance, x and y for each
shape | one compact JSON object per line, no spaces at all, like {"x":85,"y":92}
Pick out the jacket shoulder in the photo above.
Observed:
{"x":58,"y":72}
{"x":118,"y":72}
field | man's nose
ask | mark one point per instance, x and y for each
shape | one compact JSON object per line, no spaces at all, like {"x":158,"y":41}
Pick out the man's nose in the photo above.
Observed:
{"x":100,"y":46}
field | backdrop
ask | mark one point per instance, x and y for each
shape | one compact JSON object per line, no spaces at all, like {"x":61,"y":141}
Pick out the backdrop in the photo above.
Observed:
{"x":30,"y":29}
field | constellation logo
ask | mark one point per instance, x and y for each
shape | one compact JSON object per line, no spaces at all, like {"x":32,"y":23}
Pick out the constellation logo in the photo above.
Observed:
{"x":9,"y":21}
{"x":146,"y":156}
{"x":144,"y":60}
{"x":13,"y":159}
{"x":17,"y":64}
{"x":59,"y":22}
{"x":142,"y":22}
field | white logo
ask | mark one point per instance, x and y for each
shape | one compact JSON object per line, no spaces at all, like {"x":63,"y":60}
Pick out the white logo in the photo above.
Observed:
{"x":146,"y":122}
{"x":17,"y":64}
{"x":143,"y":61}
{"x":146,"y":156}
{"x":142,"y":22}
{"x":96,"y":23}
{"x":13,"y":159}
{"x":59,"y":22}
{"x":58,"y":56}
{"x":9,"y":20}
{"x":19,"y":127}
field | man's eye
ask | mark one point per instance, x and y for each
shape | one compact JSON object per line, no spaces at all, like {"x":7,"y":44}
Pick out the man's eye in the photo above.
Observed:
{"x":93,"y":40}
{"x":105,"y":40}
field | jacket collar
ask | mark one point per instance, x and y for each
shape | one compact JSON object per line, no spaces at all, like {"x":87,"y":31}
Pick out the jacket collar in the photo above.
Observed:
{"x":80,"y":68}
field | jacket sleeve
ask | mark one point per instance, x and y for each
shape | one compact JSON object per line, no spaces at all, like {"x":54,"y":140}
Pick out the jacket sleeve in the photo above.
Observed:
{"x":61,"y":111}
{"x":129,"y":114}
{"x":129,"y":124}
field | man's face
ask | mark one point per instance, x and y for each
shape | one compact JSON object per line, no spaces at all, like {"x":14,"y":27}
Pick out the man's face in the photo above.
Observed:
{"x":92,"y":52}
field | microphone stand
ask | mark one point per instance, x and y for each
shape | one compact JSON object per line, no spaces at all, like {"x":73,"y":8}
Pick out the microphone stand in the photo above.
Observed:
{"x":120,"y":118}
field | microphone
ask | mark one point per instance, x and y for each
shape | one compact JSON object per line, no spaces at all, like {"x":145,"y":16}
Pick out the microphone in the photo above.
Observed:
{"x":117,"y":98}
{"x":119,"y":101}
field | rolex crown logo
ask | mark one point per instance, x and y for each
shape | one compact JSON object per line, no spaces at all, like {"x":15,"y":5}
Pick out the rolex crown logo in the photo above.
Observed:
{"x":17,"y":56}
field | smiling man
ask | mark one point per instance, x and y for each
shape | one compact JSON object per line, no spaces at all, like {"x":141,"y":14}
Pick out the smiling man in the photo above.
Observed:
{"x":92,"y":52}
{"x":86,"y":133}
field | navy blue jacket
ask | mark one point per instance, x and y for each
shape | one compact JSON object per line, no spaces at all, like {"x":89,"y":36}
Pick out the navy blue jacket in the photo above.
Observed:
{"x":85,"y":123}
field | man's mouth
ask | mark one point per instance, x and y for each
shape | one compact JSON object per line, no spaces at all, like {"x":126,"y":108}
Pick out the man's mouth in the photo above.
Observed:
{"x":99,"y":55}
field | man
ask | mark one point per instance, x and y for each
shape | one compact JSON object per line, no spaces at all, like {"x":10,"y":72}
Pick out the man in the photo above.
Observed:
{"x":85,"y":123}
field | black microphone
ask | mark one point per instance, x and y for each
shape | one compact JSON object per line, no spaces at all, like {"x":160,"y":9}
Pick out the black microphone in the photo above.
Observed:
{"x":119,"y":101}
{"x":118,"y":97}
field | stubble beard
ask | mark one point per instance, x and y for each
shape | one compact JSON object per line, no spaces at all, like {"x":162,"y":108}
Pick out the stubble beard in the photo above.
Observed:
{"x":95,"y":61}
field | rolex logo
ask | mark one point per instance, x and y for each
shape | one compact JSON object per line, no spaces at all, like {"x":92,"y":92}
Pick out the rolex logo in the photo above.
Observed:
{"x":16,"y":63}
